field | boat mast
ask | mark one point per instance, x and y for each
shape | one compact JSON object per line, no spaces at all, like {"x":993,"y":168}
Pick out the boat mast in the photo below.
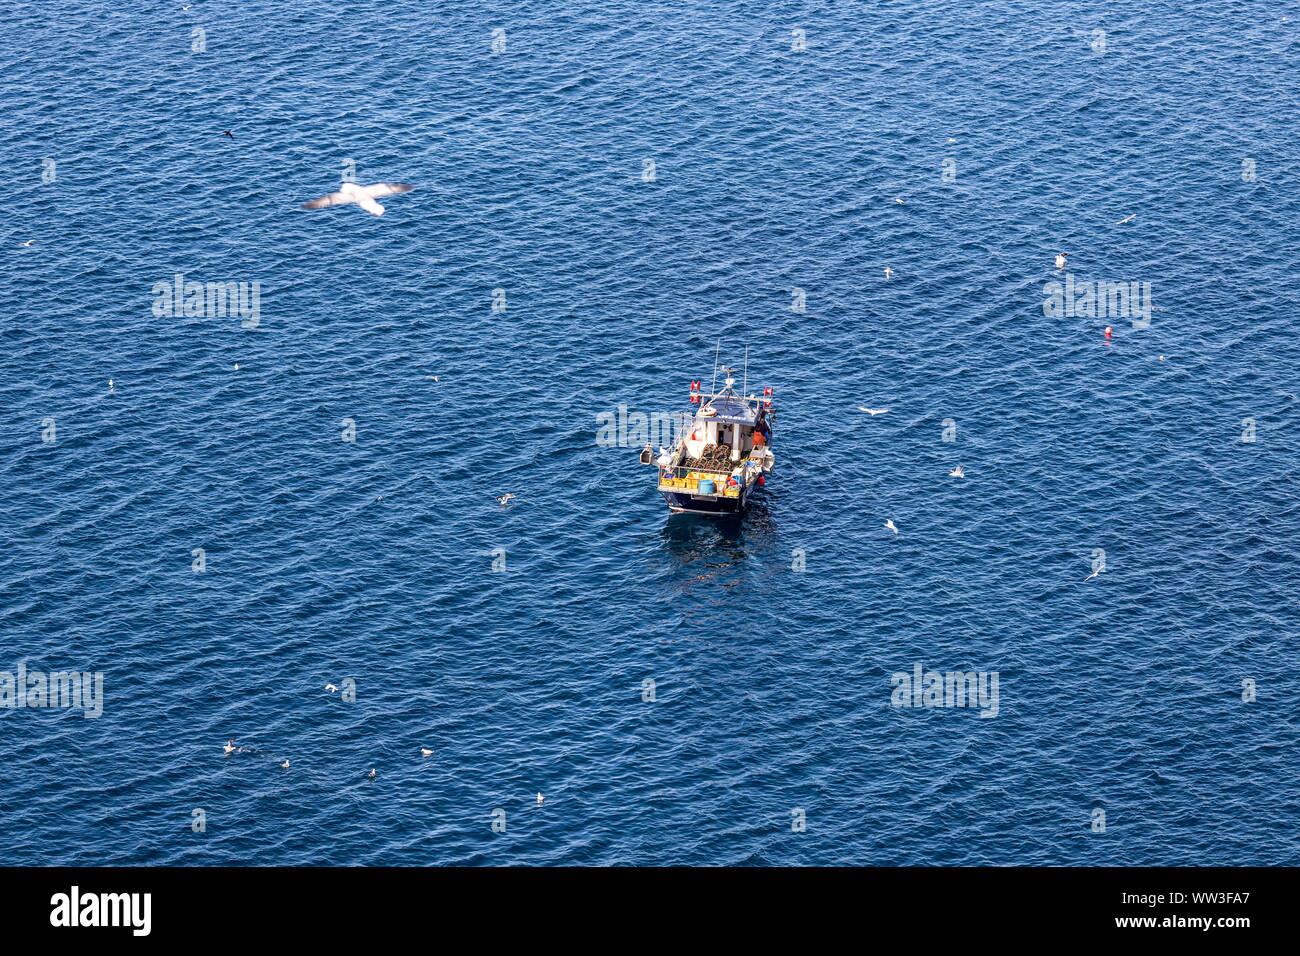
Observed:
{"x":714,"y":386}
{"x":744,"y":382}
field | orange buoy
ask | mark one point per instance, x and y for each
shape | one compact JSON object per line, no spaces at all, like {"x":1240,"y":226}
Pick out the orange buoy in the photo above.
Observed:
{"x":1108,"y":331}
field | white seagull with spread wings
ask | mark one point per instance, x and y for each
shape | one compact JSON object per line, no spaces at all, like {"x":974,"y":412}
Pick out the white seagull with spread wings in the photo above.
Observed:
{"x":363,"y":196}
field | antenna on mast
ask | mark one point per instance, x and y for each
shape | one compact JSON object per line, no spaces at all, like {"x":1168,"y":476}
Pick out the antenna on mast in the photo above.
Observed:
{"x":714,"y":386}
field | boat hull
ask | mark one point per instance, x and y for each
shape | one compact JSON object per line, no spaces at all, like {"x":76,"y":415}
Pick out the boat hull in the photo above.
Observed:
{"x":685,"y":502}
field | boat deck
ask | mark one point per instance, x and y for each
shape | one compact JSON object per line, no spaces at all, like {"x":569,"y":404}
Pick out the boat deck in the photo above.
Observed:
{"x":716,"y":459}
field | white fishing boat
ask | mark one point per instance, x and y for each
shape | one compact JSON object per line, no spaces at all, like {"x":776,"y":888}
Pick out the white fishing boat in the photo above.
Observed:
{"x":723,"y":454}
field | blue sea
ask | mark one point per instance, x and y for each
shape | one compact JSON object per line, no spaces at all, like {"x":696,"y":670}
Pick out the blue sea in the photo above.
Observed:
{"x":605,"y":193}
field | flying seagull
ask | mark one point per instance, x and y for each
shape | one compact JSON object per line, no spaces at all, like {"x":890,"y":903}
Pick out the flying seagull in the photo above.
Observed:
{"x":331,"y":688}
{"x":889,"y":523}
{"x":1091,"y":576}
{"x":1126,"y":219}
{"x":958,"y":472}
{"x":540,"y":798}
{"x":888,"y":271}
{"x":28,"y":243}
{"x":873,"y":412}
{"x":505,"y":499}
{"x":230,"y":746}
{"x":363,"y":196}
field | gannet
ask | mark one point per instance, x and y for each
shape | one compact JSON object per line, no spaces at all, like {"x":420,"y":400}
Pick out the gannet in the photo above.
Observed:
{"x":889,"y":523}
{"x":363,"y":196}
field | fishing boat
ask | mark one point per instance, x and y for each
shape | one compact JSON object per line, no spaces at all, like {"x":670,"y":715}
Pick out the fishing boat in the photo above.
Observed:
{"x":722,"y":453}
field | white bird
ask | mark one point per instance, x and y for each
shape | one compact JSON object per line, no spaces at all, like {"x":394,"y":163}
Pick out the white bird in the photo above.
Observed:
{"x":363,"y":196}
{"x":285,"y":765}
{"x":505,"y":499}
{"x":230,"y":746}
{"x":1091,"y":576}
{"x":887,"y":271}
{"x":331,"y":688}
{"x":371,"y":775}
{"x":110,"y":384}
{"x":540,"y":798}
{"x":958,"y":472}
{"x":873,"y":412}
{"x":434,"y":377}
{"x":236,"y":366}
{"x":426,"y":752}
{"x":889,"y":523}
{"x":1060,"y":260}
{"x":28,"y":243}
{"x":1126,"y":219}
